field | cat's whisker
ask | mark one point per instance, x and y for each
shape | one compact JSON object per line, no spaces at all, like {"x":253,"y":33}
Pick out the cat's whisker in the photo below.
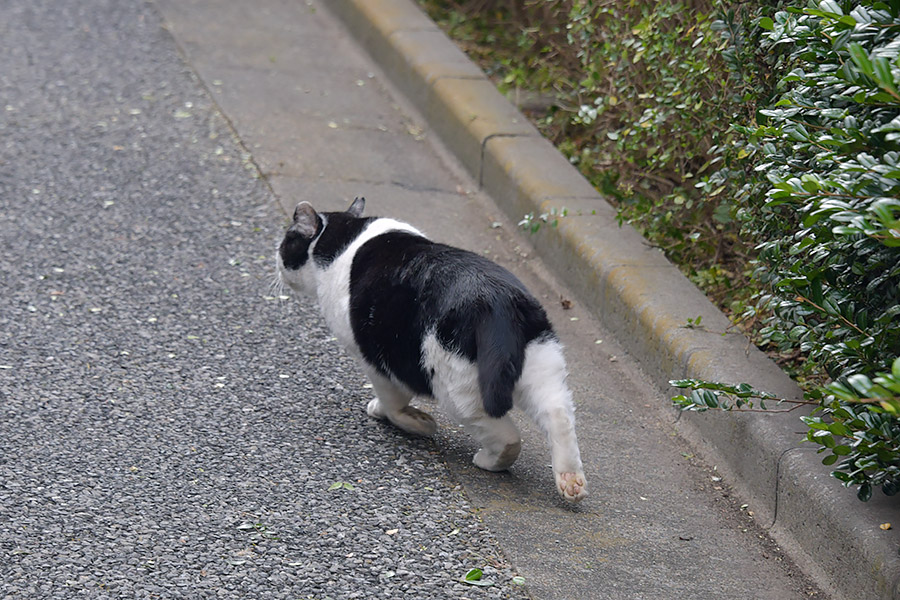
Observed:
{"x":276,"y":287}
{"x":278,"y":292}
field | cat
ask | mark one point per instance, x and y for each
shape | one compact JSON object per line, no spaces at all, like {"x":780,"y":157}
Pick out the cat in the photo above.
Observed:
{"x":427,"y":319}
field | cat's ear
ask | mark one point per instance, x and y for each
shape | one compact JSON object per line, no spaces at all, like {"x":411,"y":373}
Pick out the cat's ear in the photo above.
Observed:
{"x":306,"y":220}
{"x":356,"y":209}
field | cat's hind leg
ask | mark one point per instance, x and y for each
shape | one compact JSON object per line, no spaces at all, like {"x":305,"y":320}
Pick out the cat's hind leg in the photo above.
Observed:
{"x":543,"y":394}
{"x":392,"y":403}
{"x":455,"y":385}
{"x":499,"y":438}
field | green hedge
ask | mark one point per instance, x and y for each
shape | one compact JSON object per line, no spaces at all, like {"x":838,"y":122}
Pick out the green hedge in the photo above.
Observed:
{"x":824,"y":211}
{"x":753,"y":143}
{"x":635,"y":94}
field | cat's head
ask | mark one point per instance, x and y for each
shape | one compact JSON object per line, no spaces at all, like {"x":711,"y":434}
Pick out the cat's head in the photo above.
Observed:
{"x":295,"y":254}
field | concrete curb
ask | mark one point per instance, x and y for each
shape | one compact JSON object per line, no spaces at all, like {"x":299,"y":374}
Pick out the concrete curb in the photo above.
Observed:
{"x":641,"y":297}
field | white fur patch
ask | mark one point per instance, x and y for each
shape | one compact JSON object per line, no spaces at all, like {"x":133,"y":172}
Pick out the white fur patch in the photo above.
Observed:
{"x":333,"y":282}
{"x":542,"y":384}
{"x":543,"y":394}
{"x":454,"y":381}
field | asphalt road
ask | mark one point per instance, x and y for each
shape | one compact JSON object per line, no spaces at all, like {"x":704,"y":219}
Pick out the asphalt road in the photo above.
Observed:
{"x":171,"y":429}
{"x":167,"y":428}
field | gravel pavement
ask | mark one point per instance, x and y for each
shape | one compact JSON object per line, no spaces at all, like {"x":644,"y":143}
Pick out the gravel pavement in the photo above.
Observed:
{"x":168,"y":428}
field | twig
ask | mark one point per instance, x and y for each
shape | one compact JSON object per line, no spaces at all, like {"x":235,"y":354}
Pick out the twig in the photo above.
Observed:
{"x":803,"y":298}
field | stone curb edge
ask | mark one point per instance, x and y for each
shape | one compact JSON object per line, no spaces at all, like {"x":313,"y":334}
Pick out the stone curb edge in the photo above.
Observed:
{"x":641,"y":297}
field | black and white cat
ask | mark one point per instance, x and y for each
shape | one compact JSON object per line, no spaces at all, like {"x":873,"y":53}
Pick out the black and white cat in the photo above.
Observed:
{"x":426,"y":319}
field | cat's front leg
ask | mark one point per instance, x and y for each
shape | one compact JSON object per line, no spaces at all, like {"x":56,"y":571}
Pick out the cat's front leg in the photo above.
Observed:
{"x":392,"y":403}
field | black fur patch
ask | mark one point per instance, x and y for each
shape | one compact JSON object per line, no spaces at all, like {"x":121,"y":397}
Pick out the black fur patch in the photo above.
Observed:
{"x":340,"y":231}
{"x":403,"y":286}
{"x":294,"y":249}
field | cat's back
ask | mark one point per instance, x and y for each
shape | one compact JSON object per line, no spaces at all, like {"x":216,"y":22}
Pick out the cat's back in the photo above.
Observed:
{"x":436,"y":272}
{"x":403,"y":285}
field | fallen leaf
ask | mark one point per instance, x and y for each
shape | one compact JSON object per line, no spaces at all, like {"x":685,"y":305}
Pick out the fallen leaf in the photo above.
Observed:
{"x":885,"y":526}
{"x":474,"y":577}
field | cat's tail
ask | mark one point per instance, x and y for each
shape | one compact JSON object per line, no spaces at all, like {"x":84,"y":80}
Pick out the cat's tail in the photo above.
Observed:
{"x":501,"y":353}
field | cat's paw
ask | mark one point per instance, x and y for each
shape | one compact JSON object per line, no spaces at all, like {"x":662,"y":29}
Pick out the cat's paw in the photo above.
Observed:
{"x":497,"y":461}
{"x":374,"y":410}
{"x":572,"y":486}
{"x":412,"y":420}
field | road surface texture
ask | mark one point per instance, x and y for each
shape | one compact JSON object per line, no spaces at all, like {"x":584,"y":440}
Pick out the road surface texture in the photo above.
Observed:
{"x":172,"y":428}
